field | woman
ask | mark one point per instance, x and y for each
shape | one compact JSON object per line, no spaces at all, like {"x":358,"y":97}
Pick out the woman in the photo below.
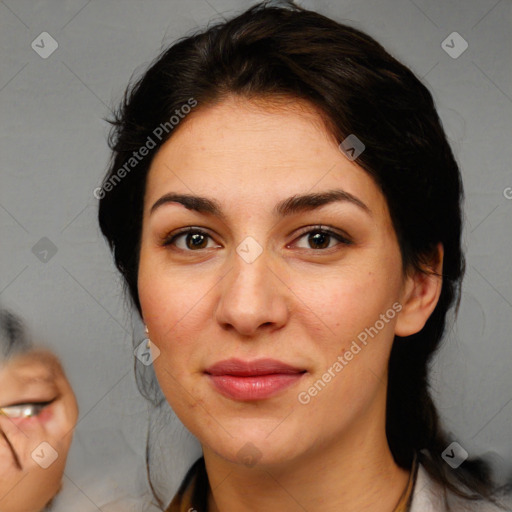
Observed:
{"x":285,"y":210}
{"x":38,"y":412}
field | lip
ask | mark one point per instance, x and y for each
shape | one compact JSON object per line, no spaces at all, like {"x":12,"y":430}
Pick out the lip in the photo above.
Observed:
{"x":252,"y":380}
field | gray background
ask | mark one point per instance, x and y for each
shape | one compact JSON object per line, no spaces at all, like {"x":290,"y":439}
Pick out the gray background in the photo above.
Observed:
{"x":54,"y":153}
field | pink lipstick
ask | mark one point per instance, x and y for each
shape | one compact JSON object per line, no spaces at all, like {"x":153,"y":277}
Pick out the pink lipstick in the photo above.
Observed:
{"x":252,"y":380}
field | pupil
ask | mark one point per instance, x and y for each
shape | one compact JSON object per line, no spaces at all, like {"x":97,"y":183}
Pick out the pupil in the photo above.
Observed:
{"x":320,"y":239}
{"x":197,"y":240}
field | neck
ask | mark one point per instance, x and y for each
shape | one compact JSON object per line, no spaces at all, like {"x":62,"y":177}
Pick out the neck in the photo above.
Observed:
{"x":355,"y":473}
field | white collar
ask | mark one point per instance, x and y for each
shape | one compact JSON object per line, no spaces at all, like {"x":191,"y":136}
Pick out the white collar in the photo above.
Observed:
{"x":430,"y":496}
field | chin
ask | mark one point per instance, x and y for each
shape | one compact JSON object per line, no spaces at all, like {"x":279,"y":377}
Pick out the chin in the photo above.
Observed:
{"x":252,"y":448}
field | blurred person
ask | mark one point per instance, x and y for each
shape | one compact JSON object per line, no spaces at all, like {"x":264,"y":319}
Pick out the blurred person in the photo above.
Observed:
{"x":38,"y":412}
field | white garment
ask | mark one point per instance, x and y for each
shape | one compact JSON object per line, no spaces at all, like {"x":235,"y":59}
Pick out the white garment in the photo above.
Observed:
{"x":429,"y":496}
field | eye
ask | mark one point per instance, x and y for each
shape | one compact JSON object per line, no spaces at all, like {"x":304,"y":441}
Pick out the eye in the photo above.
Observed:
{"x":189,"y":239}
{"x":320,"y":238}
{"x":26,"y":410}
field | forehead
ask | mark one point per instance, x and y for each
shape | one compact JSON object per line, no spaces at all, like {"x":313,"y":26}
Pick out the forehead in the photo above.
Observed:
{"x":248,"y":150}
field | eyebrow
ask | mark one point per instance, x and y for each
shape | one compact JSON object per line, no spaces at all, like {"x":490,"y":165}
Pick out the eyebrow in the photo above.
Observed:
{"x":37,"y":370}
{"x":292,"y":205}
{"x":35,"y":375}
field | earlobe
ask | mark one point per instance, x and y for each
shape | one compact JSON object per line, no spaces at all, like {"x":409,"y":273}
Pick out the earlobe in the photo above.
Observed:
{"x":421,"y":293}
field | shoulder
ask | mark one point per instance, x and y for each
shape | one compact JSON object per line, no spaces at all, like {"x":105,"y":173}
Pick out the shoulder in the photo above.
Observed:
{"x":429,"y":496}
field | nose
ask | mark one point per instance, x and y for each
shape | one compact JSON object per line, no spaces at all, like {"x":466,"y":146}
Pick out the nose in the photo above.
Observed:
{"x":252,"y":297}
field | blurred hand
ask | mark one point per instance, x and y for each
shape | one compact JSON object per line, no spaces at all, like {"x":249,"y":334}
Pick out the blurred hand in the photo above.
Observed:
{"x":33,"y":450}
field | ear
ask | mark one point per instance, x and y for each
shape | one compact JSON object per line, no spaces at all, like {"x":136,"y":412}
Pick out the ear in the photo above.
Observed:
{"x":420,"y":294}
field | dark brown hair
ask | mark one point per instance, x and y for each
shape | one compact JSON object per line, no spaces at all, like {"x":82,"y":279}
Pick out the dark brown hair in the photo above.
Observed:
{"x":359,"y":88}
{"x":14,"y":339}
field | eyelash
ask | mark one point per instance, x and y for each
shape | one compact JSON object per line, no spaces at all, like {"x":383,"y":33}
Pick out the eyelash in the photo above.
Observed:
{"x":35,"y":409}
{"x":343,"y":240}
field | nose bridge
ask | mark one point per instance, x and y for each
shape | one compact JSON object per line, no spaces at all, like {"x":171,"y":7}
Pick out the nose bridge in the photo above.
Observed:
{"x":251,"y":278}
{"x":251,"y":295}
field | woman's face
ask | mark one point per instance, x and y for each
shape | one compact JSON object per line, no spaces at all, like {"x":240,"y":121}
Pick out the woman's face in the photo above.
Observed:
{"x":33,"y":449}
{"x":274,"y":334}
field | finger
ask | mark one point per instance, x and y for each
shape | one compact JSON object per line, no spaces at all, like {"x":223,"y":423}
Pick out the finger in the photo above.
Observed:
{"x":14,"y":455}
{"x":9,"y":432}
{"x":25,"y":436}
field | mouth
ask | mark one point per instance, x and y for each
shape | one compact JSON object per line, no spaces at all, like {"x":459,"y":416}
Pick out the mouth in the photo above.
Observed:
{"x":252,"y":380}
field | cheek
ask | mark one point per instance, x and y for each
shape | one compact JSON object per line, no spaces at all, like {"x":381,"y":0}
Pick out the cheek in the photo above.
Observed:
{"x":174,"y":307}
{"x":163,"y":300}
{"x":350,"y":305}
{"x":348,"y":302}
